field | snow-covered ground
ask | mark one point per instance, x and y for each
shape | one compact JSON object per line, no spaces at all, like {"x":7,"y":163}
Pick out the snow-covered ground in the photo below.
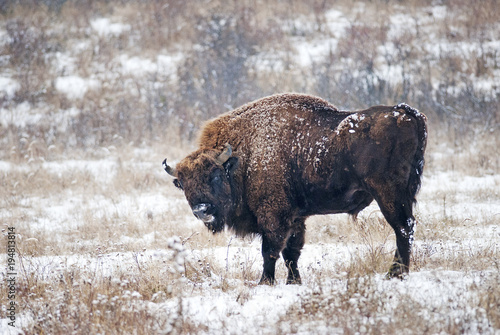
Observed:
{"x":224,"y":297}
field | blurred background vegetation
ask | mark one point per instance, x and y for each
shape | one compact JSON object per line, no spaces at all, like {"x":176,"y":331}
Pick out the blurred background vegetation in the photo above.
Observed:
{"x":89,"y":73}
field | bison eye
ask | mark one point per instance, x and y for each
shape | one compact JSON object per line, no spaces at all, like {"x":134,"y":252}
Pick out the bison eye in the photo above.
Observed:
{"x":178,"y":184}
{"x":216,"y":179}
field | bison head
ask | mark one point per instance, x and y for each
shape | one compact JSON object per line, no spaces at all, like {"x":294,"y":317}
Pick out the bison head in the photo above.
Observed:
{"x":206,"y":177}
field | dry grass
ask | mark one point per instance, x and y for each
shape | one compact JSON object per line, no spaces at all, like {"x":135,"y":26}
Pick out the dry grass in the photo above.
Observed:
{"x":92,"y":257}
{"x":86,"y":300}
{"x":352,"y":306}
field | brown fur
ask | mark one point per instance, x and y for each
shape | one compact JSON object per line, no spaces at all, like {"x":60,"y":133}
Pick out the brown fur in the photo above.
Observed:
{"x":297,"y":156}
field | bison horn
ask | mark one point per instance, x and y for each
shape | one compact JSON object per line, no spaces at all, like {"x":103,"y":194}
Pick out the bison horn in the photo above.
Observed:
{"x":171,"y":171}
{"x":226,"y":153}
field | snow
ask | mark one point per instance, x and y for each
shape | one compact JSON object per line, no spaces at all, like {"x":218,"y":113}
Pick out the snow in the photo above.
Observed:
{"x":265,"y":305}
{"x":308,"y":52}
{"x":461,"y":190}
{"x":248,"y":308}
{"x":75,"y":87}
{"x":314,"y":50}
{"x":104,"y":27}
{"x":64,"y":118}
{"x":64,"y":63}
{"x":8,"y":87}
{"x":137,"y":66}
{"x":167,"y":63}
{"x":21,"y":115}
{"x":439,"y":12}
{"x":101,"y":170}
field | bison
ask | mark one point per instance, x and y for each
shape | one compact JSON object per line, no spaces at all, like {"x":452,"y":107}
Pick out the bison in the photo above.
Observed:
{"x":267,"y":166}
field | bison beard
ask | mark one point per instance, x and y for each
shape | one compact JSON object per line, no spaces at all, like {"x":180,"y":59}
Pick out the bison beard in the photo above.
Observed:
{"x":268,"y":165}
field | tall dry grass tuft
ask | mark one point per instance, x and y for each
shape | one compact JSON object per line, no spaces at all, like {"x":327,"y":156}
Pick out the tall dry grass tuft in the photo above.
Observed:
{"x":361,"y":304}
{"x":59,"y":295}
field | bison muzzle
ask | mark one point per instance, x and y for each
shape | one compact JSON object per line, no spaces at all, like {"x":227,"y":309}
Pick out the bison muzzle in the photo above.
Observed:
{"x":267,"y":166}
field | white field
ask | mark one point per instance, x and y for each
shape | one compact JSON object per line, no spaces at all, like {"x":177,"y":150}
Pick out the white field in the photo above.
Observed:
{"x":111,"y":219}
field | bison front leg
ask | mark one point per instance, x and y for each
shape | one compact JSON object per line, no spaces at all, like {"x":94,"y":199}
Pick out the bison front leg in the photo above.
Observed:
{"x":291,"y":253}
{"x":274,"y":235}
{"x":270,"y":253}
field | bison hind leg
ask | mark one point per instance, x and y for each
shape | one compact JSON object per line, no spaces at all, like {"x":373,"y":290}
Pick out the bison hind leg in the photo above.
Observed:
{"x":398,"y":212}
{"x":397,"y":270}
{"x":291,"y":253}
{"x":404,"y":240}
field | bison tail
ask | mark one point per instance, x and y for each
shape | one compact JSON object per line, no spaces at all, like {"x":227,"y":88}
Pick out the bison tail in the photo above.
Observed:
{"x":417,"y":169}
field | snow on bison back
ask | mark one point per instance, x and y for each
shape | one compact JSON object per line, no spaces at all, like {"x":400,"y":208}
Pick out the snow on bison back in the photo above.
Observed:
{"x":265,"y":167}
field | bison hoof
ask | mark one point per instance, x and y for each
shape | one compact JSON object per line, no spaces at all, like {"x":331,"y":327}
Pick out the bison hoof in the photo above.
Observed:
{"x":398,"y":271}
{"x":266,"y":281}
{"x":295,"y":281}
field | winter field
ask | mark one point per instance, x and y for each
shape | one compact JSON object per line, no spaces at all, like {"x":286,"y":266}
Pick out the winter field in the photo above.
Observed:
{"x":95,"y":94}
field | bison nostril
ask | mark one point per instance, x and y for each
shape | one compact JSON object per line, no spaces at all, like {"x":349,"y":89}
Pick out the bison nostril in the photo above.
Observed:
{"x":202,"y":212}
{"x":200,"y":208}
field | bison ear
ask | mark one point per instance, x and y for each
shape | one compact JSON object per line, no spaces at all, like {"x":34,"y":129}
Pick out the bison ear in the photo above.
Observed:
{"x":230,"y":165}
